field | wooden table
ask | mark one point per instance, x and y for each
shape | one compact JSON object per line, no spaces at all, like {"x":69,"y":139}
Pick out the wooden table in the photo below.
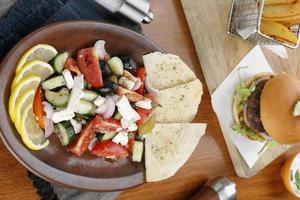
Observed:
{"x":209,"y":159}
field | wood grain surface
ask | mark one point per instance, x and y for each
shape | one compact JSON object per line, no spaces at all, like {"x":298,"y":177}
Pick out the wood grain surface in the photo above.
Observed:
{"x":219,"y":53}
{"x":209,"y":159}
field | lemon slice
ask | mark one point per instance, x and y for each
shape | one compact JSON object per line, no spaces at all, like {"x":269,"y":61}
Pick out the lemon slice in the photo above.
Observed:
{"x":41,"y":52}
{"x":32,"y":135}
{"x":22,"y":102}
{"x":30,"y":82}
{"x":35,"y":67}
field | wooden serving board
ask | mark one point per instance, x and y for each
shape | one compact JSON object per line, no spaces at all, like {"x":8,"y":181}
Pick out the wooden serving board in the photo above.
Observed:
{"x":219,"y":53}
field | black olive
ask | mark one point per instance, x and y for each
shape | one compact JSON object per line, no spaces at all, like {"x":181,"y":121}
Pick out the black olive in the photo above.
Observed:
{"x":128,"y":64}
{"x":109,"y":88}
{"x":133,"y":105}
{"x":105,"y":70}
{"x":111,"y":84}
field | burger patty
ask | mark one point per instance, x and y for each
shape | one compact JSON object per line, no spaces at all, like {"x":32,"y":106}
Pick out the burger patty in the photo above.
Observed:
{"x":252,"y":110}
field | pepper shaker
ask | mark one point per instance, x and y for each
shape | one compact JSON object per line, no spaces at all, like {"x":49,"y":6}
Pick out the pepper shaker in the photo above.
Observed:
{"x":136,"y":10}
{"x":219,"y":188}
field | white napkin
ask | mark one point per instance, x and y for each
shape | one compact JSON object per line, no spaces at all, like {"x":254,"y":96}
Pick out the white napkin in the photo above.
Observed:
{"x":222,"y":99}
{"x":279,"y":50}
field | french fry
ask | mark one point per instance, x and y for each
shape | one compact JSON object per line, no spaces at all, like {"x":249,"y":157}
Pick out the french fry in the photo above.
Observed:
{"x":277,"y":2}
{"x":278,"y":31}
{"x":287,"y":21}
{"x":281,"y":11}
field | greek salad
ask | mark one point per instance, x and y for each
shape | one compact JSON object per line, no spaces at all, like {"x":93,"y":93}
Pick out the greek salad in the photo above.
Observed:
{"x":95,"y":102}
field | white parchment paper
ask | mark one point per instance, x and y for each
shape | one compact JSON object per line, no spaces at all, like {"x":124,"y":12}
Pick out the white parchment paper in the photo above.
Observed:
{"x":222,"y":100}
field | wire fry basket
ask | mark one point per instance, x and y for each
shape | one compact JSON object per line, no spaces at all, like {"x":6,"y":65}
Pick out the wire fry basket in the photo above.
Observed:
{"x":244,"y":23}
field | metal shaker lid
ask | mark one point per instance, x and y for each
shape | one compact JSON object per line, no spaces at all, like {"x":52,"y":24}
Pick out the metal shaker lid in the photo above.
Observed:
{"x":225,"y":188}
{"x":137,"y":11}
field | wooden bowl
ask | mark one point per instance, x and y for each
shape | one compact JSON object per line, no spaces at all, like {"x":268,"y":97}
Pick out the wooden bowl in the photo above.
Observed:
{"x":54,"y":163}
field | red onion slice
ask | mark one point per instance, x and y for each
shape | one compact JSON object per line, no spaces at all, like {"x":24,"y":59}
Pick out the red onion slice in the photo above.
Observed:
{"x":100,"y":49}
{"x":137,"y":85}
{"x":266,"y":136}
{"x":48,"y":109}
{"x":110,"y":108}
{"x":49,"y":127}
{"x":149,"y":87}
{"x":92,"y":144}
{"x":245,"y":115}
{"x":115,"y":97}
{"x":101,"y":110}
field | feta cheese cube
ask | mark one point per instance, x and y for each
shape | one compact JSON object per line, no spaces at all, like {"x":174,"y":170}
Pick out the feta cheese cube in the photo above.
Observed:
{"x":126,"y":110}
{"x":76,"y":95}
{"x":146,"y":104}
{"x":77,"y":126}
{"x":68,"y":78}
{"x":79,"y":81}
{"x":99,"y":101}
{"x":125,"y":82}
{"x":128,"y":125}
{"x":63,"y":115}
{"x":121,"y":138}
{"x":132,"y":127}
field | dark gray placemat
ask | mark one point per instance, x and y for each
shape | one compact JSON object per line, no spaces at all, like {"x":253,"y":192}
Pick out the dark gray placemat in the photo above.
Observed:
{"x":25,"y":16}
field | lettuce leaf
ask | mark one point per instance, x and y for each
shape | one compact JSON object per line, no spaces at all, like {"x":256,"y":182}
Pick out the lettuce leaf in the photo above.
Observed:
{"x":242,"y":93}
{"x":245,"y":131}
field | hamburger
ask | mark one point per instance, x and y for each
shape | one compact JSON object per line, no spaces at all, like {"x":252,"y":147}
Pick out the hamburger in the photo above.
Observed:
{"x":264,"y":108}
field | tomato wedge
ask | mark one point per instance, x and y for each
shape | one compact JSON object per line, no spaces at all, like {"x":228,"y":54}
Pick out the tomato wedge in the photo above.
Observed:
{"x":109,"y":149}
{"x":130,"y":144}
{"x":140,"y":73}
{"x":106,"y":125}
{"x":89,"y":66}
{"x":131,"y":95}
{"x":72,"y":66}
{"x":38,"y":107}
{"x":98,"y":124}
{"x":145,"y":114}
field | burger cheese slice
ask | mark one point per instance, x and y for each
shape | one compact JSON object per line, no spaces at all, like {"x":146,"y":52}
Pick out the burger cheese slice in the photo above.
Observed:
{"x":264,"y":108}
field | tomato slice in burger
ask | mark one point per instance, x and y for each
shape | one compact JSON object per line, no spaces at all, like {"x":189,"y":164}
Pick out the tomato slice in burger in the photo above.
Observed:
{"x":89,"y":66}
{"x":109,"y":149}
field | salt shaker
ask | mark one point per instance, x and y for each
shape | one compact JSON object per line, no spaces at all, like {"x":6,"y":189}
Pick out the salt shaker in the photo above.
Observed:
{"x":136,"y":10}
{"x":219,"y":188}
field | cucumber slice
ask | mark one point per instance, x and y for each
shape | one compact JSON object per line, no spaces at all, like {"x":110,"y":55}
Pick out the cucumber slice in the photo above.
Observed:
{"x":58,"y":99}
{"x":59,"y":61}
{"x":89,"y":95}
{"x":148,"y":126}
{"x":117,"y":116}
{"x":108,"y":136}
{"x":116,"y":66}
{"x":87,"y":85}
{"x":137,"y":153}
{"x":54,"y":82}
{"x":65,"y":132}
{"x":85,"y":107}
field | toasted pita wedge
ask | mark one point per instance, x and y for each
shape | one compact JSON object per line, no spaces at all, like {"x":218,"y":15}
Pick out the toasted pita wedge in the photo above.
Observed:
{"x":168,"y":147}
{"x":180,"y":103}
{"x":167,"y":70}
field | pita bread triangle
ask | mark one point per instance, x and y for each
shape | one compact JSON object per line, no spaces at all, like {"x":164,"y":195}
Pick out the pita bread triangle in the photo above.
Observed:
{"x":166,"y":70}
{"x":180,"y":103}
{"x":165,"y":151}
